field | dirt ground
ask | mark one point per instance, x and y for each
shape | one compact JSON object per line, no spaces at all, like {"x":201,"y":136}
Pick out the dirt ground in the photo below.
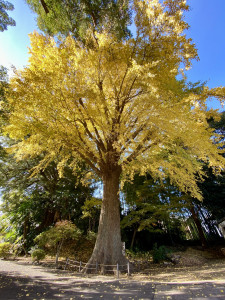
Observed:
{"x":193,"y":265}
{"x":197,"y":276}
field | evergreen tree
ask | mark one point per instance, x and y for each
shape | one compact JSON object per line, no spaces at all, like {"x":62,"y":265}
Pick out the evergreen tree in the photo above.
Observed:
{"x":5,"y":19}
{"x":76,"y":17}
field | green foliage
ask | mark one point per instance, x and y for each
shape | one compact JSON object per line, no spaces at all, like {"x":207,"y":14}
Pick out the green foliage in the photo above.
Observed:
{"x":61,"y":231}
{"x":91,"y":211}
{"x":7,"y":231}
{"x":159,"y":253}
{"x":91,"y":206}
{"x":91,"y":236}
{"x":3,"y":80}
{"x":38,"y":254}
{"x":18,"y":246}
{"x":213,"y":187}
{"x":79,"y":16}
{"x":54,"y":238}
{"x":5,"y":19}
{"x":152,"y":205}
{"x":146,"y":255}
{"x":32,"y":204}
{"x":5,"y":248}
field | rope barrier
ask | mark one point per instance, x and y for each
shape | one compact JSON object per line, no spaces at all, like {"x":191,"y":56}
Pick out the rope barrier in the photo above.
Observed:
{"x":115,"y":268}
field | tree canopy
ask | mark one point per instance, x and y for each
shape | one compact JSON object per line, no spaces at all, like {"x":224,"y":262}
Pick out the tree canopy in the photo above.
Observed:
{"x":34,"y":204}
{"x":78,"y":16}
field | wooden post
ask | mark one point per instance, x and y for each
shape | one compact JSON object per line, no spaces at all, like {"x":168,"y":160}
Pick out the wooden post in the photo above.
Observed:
{"x":67,"y":262}
{"x":96,"y":267}
{"x":117,"y":271}
{"x":128,"y":268}
{"x":80,"y":266}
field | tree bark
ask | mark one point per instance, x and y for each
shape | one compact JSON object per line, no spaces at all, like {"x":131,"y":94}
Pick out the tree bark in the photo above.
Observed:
{"x":44,"y":5}
{"x":199,"y":227}
{"x":26,"y":226}
{"x":108,"y":246}
{"x":59,"y":247}
{"x":133,"y":238}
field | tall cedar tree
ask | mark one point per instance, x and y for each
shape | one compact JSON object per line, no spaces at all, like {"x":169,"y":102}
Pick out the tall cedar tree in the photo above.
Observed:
{"x":76,"y":17}
{"x":119,"y":106}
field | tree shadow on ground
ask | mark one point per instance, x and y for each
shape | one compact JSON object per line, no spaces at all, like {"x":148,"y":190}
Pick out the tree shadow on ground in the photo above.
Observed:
{"x":206,"y":290}
{"x":19,"y":287}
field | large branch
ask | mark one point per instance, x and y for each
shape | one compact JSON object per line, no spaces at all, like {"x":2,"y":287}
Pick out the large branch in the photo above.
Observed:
{"x":141,"y":148}
{"x":128,"y":65}
{"x":84,"y":153}
{"x":86,"y":147}
{"x":133,"y":136}
{"x":98,"y":139}
{"x":44,"y":5}
{"x":102,"y":98}
{"x":89,"y":162}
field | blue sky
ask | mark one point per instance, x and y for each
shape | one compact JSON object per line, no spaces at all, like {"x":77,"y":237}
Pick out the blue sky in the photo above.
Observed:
{"x":207,"y":21}
{"x":14,"y":41}
{"x":206,"y":18}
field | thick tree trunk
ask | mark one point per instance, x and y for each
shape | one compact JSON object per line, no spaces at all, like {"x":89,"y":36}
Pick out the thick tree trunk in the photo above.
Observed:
{"x":108,"y":246}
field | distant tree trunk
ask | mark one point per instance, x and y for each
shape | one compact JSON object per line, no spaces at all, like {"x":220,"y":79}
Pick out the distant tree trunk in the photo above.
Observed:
{"x":89,"y":224}
{"x":108,"y":246}
{"x":26,"y":227}
{"x":133,"y":238}
{"x":208,"y":222}
{"x":59,"y":247}
{"x":199,"y":226}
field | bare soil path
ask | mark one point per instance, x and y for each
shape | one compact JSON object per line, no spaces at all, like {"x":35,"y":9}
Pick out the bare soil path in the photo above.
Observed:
{"x":22,"y":280}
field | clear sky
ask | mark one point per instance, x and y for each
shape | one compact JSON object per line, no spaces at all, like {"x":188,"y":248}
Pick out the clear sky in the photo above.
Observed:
{"x":15,"y":40}
{"x":206,"y":18}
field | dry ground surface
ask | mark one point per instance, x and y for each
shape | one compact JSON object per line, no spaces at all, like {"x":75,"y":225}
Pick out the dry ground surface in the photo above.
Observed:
{"x":198,"y":275}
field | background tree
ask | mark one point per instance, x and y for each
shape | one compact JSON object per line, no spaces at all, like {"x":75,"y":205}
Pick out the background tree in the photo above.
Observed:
{"x":118,"y":106}
{"x":5,"y":19}
{"x":76,"y":17}
{"x":214,"y":186}
{"x":57,"y":235}
{"x":91,"y":210}
{"x":212,"y":209}
{"x":157,"y":208}
{"x":34,"y":204}
{"x":213,"y":189}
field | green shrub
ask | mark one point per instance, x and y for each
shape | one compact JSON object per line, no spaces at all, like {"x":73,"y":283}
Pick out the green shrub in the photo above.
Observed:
{"x":54,"y":238}
{"x":5,"y":248}
{"x":37,"y":254}
{"x":138,"y":255}
{"x":159,"y":254}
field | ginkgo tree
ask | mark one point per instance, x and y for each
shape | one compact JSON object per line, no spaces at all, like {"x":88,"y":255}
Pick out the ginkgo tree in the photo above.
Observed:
{"x":119,"y":106}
